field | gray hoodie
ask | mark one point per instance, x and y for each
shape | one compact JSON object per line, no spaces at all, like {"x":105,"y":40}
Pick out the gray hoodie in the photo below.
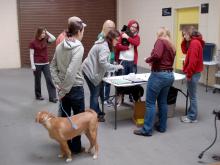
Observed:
{"x":66,"y":66}
{"x":96,"y":64}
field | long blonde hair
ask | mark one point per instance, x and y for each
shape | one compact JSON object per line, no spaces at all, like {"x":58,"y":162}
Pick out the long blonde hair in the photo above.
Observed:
{"x":164,"y":33}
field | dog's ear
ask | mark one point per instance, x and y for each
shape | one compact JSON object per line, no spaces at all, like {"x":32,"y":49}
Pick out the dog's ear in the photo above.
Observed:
{"x":51,"y":115}
{"x":37,"y":117}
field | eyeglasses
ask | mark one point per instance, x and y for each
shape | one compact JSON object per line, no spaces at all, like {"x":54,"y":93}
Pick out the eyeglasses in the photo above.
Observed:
{"x":135,"y":27}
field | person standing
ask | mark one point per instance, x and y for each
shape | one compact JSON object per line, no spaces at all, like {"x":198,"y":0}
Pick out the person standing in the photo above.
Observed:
{"x":192,"y":45}
{"x":105,"y":89}
{"x":40,"y":62}
{"x":159,"y":83}
{"x":96,"y":65}
{"x":62,"y":35}
{"x":126,"y":52}
{"x":107,"y":26}
{"x":67,"y":75}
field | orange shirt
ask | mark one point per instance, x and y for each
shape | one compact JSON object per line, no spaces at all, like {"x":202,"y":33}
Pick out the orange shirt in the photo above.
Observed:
{"x":60,"y":38}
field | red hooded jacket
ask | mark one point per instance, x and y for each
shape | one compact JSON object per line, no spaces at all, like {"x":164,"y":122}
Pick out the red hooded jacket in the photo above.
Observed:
{"x":135,"y":40}
{"x":194,"y":56}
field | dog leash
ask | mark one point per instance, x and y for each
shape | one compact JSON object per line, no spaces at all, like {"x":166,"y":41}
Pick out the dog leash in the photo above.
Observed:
{"x":74,"y":126}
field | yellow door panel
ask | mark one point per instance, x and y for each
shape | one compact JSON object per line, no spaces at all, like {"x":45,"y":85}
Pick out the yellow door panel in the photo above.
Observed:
{"x":186,"y":16}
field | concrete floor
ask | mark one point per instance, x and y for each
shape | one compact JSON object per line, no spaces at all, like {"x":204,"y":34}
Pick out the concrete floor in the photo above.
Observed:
{"x":24,"y":142}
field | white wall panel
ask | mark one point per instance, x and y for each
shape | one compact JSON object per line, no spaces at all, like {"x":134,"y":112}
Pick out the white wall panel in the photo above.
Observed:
{"x":9,"y":43}
{"x":149,"y":15}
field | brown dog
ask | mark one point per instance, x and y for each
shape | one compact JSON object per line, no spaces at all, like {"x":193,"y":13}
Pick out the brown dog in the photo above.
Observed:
{"x":60,"y":129}
{"x":216,"y":163}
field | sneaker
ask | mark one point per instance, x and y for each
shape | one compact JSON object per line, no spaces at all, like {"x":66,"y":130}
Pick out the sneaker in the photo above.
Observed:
{"x":39,"y":98}
{"x":141,"y":133}
{"x":101,"y":118}
{"x":185,"y":119}
{"x":108,"y":103}
{"x":53,"y":100}
{"x":157,"y":128}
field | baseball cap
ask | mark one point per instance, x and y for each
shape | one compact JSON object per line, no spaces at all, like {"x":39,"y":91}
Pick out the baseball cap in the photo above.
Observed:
{"x":76,"y":19}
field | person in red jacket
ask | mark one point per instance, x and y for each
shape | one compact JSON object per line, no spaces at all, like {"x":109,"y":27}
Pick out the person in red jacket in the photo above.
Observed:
{"x":128,"y":54}
{"x":192,"y":45}
{"x":126,"y":50}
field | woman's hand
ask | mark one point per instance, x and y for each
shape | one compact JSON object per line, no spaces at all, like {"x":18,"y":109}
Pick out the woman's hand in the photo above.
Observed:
{"x":124,"y":35}
{"x":57,"y":87}
{"x":33,"y":68}
{"x":118,"y":67}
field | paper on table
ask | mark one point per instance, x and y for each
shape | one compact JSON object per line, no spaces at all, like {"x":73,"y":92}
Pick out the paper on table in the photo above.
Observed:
{"x":120,"y":81}
{"x":135,"y":80}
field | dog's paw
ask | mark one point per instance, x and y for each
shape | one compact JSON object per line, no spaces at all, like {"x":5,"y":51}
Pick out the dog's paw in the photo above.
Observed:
{"x":69,"y":160}
{"x":60,"y":156}
{"x":95,"y":156}
{"x":88,"y":150}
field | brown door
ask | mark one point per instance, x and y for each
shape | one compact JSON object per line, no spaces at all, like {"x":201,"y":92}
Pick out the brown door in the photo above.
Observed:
{"x":53,"y":15}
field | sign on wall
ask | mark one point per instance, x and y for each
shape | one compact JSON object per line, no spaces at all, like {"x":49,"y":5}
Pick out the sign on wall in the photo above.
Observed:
{"x":204,"y":8}
{"x":166,"y":11}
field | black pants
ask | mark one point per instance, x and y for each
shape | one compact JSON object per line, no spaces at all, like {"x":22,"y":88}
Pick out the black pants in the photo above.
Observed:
{"x":73,"y":102}
{"x":37,"y":77}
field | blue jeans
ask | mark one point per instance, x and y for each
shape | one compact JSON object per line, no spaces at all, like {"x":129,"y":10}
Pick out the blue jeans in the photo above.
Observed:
{"x":157,"y":90}
{"x":192,"y":88}
{"x":107,"y":88}
{"x":73,"y":102}
{"x":128,"y":67}
{"x":94,"y":95}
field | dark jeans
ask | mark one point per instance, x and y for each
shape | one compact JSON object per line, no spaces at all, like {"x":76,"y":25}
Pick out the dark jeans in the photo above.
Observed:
{"x":94,"y":95}
{"x":107,"y":88}
{"x":37,"y":77}
{"x":128,"y":67}
{"x":73,"y":102}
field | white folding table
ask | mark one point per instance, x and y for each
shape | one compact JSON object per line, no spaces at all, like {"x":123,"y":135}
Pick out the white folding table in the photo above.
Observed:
{"x":137,"y":79}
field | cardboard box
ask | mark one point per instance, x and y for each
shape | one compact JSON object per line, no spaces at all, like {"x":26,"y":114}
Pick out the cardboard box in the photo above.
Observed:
{"x":139,"y":112}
